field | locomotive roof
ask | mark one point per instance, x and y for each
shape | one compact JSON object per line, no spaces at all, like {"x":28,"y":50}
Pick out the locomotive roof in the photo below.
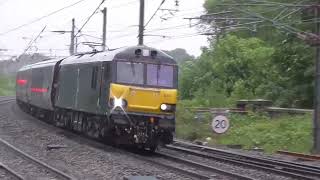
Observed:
{"x":124,"y":53}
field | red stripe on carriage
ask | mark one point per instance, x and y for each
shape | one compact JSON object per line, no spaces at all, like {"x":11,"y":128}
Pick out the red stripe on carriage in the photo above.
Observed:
{"x":39,"y":90}
{"x":22,"y":82}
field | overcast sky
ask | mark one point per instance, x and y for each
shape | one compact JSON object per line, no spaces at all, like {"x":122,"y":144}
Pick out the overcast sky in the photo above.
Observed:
{"x":122,"y":29}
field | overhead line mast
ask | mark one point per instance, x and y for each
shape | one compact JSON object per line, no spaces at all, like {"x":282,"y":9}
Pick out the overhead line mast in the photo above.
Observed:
{"x":104,"y":29}
{"x":71,"y":50}
{"x":141,"y":22}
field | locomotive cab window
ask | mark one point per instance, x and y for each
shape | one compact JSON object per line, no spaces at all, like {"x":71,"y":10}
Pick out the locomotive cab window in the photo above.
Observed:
{"x":130,"y":73}
{"x":146,"y":74}
{"x":160,"y":75}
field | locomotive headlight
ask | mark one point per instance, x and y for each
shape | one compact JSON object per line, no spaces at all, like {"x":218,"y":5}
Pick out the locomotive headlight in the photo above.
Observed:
{"x":163,"y":107}
{"x":167,"y":107}
{"x":118,"y":102}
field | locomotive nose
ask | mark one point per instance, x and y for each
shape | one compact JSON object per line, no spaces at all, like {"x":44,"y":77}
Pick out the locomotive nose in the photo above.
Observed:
{"x":145,"y":99}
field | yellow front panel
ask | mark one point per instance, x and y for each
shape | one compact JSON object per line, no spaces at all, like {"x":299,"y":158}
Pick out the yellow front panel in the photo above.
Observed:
{"x":143,"y":99}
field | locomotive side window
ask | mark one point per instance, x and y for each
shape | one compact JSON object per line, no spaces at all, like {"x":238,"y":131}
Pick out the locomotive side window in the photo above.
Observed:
{"x":94,"y":77}
{"x":107,"y":72}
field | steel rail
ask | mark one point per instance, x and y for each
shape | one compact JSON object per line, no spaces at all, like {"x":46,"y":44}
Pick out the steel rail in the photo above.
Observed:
{"x":5,"y":101}
{"x":299,"y":155}
{"x":290,"y":168}
{"x":221,"y":158}
{"x":180,"y":170}
{"x":7,"y":97}
{"x":203,"y":166}
{"x":243,"y":156}
{"x":36,"y":161}
{"x":238,"y":155}
{"x":11,"y":171}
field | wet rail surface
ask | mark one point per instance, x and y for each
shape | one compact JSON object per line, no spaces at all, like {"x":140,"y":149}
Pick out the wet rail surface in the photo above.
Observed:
{"x":285,"y":168}
{"x":8,"y":173}
{"x":307,"y":157}
{"x":196,"y":167}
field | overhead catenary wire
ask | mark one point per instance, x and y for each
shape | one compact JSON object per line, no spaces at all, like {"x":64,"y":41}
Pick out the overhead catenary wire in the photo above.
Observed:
{"x":33,"y":40}
{"x":88,"y":19}
{"x":264,"y":5}
{"x":285,"y":10}
{"x":162,"y":2}
{"x":181,"y":26}
{"x":40,"y":18}
{"x":151,"y":30}
{"x":177,"y":37}
{"x":275,"y":23}
{"x":273,"y":2}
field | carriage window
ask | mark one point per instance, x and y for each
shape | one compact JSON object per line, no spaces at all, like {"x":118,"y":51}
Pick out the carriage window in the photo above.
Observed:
{"x":130,"y":73}
{"x":160,"y":75}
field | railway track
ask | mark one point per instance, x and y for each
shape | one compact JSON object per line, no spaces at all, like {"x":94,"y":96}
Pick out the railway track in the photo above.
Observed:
{"x":196,"y":169}
{"x":8,"y":173}
{"x":19,"y":165}
{"x":285,"y":168}
{"x":5,"y":100}
{"x":26,"y":165}
{"x":307,"y":157}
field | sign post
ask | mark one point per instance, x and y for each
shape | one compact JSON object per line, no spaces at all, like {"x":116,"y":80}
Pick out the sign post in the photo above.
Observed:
{"x":220,"y":124}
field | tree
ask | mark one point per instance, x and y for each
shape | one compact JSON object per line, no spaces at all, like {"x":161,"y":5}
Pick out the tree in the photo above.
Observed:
{"x":255,"y":54}
{"x":180,"y":55}
{"x":232,"y":64}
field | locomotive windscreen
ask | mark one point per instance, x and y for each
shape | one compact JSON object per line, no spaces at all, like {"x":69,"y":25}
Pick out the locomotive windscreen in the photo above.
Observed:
{"x":159,"y":75}
{"x":130,"y":73}
{"x":153,"y":75}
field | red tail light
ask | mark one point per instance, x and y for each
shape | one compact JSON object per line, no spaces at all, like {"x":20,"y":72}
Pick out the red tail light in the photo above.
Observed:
{"x":22,"y":82}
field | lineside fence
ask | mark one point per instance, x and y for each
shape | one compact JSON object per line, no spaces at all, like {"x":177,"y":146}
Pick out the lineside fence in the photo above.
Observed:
{"x":245,"y":106}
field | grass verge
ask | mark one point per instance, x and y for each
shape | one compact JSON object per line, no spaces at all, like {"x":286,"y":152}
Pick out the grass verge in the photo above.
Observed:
{"x":292,"y":133}
{"x":7,"y":85}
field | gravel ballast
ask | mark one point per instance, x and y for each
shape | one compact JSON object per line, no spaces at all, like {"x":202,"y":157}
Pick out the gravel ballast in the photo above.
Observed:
{"x":86,"y":159}
{"x":76,"y":157}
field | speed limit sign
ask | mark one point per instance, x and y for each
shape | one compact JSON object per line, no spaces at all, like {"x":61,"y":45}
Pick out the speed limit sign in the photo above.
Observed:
{"x":220,"y":124}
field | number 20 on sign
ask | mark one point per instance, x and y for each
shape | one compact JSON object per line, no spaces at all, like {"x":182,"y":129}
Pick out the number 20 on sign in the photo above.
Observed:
{"x":220,"y":124}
